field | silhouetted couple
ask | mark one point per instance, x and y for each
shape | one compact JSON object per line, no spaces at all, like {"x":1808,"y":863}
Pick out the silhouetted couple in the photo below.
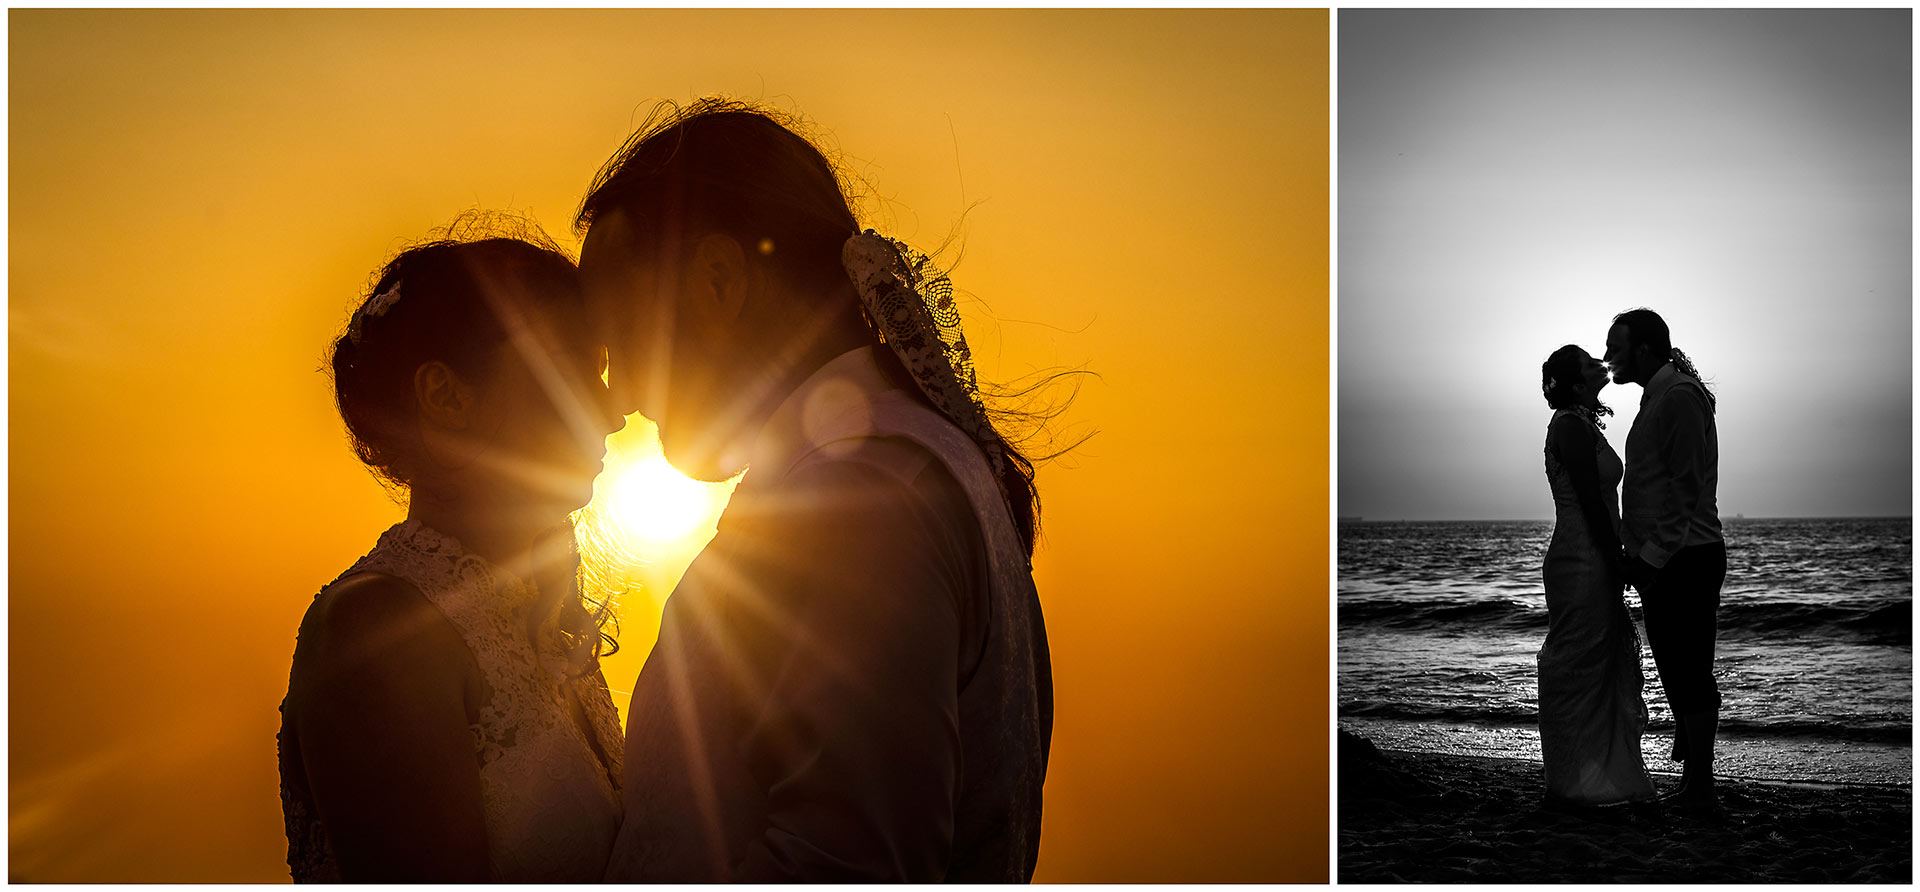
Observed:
{"x":1661,"y":536}
{"x":852,"y":680}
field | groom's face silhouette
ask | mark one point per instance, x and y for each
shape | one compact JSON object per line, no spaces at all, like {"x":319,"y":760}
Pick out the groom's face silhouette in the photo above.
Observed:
{"x":673,"y":313}
{"x":1626,"y":359}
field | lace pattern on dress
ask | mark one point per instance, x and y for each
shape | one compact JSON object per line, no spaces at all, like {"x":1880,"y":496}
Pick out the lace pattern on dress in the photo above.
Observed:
{"x":491,"y":608}
{"x":551,"y":804}
{"x":309,"y":853}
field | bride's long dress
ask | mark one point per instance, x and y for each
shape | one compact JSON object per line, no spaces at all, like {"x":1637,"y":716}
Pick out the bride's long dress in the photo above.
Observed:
{"x":552,"y":806}
{"x":1591,"y":709}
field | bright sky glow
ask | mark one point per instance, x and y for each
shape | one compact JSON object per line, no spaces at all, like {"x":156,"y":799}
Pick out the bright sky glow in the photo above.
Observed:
{"x":197,"y":198}
{"x":652,"y":503}
{"x":1512,"y":179}
{"x":647,"y":521}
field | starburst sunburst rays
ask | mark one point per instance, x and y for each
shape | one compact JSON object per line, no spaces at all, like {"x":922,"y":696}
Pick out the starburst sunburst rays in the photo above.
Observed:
{"x":646,"y":520}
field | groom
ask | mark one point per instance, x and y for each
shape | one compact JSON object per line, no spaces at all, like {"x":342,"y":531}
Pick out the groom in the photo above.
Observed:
{"x":1675,"y":557}
{"x":851,"y":682}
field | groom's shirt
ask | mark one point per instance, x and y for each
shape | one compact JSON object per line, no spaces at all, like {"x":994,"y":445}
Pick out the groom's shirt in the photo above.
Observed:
{"x":839,"y":692}
{"x":1668,"y":497}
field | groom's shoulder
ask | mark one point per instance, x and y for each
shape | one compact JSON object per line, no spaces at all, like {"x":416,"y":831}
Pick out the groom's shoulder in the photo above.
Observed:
{"x":899,"y":458}
{"x":1684,"y":393}
{"x":870,"y":466}
{"x":866,"y":480}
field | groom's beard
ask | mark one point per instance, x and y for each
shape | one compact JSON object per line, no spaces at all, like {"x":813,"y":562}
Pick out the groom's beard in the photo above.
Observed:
{"x":707,"y":463}
{"x":711,"y":447}
{"x":714,"y":441}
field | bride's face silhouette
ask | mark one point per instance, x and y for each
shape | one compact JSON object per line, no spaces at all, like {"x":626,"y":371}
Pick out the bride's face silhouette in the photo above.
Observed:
{"x":1593,"y":373}
{"x":530,"y":428}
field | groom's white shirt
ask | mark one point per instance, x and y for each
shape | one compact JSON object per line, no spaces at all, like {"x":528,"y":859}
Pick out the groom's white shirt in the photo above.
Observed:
{"x":1668,"y":498}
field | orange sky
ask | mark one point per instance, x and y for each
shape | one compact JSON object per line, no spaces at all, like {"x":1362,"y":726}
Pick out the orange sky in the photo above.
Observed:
{"x":197,"y":199}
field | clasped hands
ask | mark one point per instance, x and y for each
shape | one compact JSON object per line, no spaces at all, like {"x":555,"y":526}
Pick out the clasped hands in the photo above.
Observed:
{"x":1632,"y":570}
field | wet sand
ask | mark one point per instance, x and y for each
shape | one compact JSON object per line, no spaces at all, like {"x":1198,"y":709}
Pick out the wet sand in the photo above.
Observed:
{"x":1425,"y":817}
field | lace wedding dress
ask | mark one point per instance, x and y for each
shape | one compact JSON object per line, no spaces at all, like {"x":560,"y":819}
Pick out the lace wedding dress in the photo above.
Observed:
{"x":552,"y":807}
{"x":1591,"y":709}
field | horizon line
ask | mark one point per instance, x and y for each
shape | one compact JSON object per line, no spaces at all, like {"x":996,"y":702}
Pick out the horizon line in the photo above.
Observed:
{"x":1361,"y":518}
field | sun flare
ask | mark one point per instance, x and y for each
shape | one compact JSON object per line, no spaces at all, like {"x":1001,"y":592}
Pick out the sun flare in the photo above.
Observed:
{"x":651,"y":501}
{"x":646,"y":519}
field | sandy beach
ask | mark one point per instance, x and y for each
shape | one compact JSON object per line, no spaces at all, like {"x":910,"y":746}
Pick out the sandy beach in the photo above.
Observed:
{"x":1425,"y":817}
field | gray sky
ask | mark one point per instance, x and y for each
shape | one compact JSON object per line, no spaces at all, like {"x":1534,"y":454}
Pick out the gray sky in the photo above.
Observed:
{"x":1511,"y":179}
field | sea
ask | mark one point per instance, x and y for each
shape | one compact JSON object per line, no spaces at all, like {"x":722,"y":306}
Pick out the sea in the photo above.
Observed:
{"x":1439,"y":624}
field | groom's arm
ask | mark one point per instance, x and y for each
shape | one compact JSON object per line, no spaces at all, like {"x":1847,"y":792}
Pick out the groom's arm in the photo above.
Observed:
{"x":857,"y":745}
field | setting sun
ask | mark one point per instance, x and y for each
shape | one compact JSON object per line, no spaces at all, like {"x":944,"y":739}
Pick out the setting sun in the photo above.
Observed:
{"x":651,"y":501}
{"x":645,"y":516}
{"x":175,"y":373}
{"x":646,"y":523}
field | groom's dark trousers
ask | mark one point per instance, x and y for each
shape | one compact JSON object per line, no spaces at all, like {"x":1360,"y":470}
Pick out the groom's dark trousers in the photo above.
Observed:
{"x":1680,"y":603}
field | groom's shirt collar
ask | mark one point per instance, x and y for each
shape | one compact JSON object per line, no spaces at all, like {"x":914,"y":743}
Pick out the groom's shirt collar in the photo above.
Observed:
{"x":1658,"y":384}
{"x":831,"y":404}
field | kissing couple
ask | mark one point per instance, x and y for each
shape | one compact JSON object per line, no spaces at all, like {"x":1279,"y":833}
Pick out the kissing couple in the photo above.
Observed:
{"x":1662,"y":536}
{"x":851,"y":682}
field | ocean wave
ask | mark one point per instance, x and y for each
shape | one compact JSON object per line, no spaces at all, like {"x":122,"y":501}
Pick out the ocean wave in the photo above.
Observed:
{"x":1442,"y":614}
{"x":1859,"y":621}
{"x":1515,"y":715}
{"x":1875,"y":622}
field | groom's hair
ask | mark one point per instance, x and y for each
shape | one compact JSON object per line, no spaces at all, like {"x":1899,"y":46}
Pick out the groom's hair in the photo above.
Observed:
{"x":743,"y":170}
{"x":1645,"y":326}
{"x":746,"y":171}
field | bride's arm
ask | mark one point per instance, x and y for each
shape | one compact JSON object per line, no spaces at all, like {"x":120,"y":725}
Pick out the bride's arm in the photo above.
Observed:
{"x":1574,"y":443}
{"x":381,"y":680}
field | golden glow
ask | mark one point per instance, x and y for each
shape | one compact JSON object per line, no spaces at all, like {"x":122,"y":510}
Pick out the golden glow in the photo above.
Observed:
{"x":646,"y":523}
{"x":643,"y":511}
{"x":242,"y":172}
{"x":651,"y":502}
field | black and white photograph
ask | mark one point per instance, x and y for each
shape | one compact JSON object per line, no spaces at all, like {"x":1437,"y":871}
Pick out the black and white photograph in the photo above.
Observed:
{"x":1624,"y":435}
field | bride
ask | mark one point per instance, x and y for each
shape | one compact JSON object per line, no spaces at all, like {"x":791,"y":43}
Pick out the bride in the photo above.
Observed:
{"x":446,"y":719}
{"x":1591,"y":710}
